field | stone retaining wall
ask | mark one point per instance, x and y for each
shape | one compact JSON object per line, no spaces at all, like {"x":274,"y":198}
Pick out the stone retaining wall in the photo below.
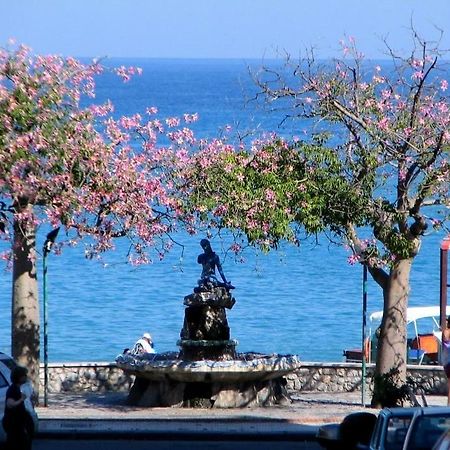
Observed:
{"x":346,"y":377}
{"x":324,"y":377}
{"x":85,"y":377}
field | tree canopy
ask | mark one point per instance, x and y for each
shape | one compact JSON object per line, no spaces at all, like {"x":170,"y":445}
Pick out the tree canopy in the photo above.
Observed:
{"x":78,"y":166}
{"x":66,"y":164}
{"x":372,"y":169}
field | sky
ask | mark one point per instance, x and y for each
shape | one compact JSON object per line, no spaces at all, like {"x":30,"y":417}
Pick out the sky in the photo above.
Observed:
{"x":218,"y":28}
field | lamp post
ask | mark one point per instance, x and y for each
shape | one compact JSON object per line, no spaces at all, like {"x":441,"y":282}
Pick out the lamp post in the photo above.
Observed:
{"x":445,"y":247}
{"x":364,"y":322}
{"x":49,"y":241}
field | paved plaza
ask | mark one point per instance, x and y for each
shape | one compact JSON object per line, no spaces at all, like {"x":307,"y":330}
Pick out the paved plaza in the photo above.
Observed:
{"x":108,"y":413}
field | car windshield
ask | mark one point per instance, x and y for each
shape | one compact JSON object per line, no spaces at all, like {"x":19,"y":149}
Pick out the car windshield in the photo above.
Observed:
{"x":427,"y":430}
{"x":396,"y":432}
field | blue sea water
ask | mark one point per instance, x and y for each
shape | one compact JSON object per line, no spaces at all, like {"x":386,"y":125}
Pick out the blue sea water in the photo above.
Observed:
{"x":299,"y":300}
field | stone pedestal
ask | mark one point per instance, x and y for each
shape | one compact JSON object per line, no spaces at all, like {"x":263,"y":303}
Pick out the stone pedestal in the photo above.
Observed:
{"x":205,"y":333}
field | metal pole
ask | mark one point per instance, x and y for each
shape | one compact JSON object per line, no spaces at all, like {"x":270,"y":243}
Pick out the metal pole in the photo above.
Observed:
{"x":364,"y":322}
{"x":51,"y":237}
{"x":445,"y":246}
{"x":45,"y":330}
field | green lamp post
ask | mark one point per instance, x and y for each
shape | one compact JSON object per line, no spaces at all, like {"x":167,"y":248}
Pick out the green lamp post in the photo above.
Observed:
{"x":49,"y":241}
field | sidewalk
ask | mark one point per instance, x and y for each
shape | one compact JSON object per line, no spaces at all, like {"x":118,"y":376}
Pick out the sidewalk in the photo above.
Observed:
{"x":95,"y":413}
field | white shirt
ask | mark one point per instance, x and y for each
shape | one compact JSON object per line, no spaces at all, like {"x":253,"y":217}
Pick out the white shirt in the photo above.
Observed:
{"x":142,"y":346}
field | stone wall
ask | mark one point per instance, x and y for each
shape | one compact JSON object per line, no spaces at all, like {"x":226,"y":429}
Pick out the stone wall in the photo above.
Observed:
{"x":324,"y":377}
{"x":85,"y":377}
{"x":346,"y":377}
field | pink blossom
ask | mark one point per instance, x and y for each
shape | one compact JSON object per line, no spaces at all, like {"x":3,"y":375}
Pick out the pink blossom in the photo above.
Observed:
{"x":353,"y":259}
{"x":220,"y":210}
{"x":417,"y":63}
{"x":102,"y":110}
{"x":172,"y":121}
{"x":152,"y":110}
{"x":408,"y":132}
{"x":446,"y":136}
{"x":189,"y":118}
{"x":235,"y":248}
{"x":377,"y":79}
{"x":270,"y":195}
{"x":383,"y":124}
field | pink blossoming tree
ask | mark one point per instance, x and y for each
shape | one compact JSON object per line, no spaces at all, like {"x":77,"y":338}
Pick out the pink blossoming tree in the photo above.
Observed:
{"x":76,"y":167}
{"x":375,"y":173}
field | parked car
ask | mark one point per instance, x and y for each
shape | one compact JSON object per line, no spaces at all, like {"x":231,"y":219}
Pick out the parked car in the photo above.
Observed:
{"x":427,"y":427}
{"x":355,"y":429}
{"x":6,"y":365}
{"x":366,"y":431}
{"x":417,"y":428}
{"x":443,"y":442}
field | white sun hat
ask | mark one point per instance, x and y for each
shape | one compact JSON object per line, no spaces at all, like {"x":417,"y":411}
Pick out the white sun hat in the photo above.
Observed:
{"x":147,"y":336}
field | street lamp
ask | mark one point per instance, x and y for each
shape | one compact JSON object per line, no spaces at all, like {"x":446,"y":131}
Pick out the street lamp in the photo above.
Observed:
{"x":445,"y":247}
{"x":49,"y":241}
{"x":364,"y":323}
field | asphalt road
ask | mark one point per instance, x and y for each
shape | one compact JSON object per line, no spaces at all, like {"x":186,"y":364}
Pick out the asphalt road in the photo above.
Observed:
{"x":123,"y":444}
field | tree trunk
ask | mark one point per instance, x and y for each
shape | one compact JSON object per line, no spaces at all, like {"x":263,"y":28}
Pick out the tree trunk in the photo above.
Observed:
{"x":391,"y":354}
{"x":25,"y":302}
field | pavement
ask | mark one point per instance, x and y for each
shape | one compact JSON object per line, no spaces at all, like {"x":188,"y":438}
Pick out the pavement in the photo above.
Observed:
{"x":107,"y":414}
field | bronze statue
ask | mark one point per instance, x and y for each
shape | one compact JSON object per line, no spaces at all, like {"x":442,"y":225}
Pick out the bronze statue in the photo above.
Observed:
{"x":209,"y":261}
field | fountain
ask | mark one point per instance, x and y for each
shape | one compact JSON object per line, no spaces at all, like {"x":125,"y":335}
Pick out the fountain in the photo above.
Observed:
{"x":207,"y":371}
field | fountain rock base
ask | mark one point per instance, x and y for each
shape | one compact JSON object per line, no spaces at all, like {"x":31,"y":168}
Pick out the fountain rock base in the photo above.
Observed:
{"x":250,"y":380}
{"x":208,"y":395}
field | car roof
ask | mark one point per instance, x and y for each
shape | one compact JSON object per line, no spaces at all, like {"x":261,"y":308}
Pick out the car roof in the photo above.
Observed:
{"x":400,"y":412}
{"x":434,"y":410}
{"x":415,"y":411}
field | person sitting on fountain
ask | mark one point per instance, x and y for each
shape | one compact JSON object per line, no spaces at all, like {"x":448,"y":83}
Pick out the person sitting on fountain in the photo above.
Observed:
{"x":209,"y":261}
{"x":143,"y":345}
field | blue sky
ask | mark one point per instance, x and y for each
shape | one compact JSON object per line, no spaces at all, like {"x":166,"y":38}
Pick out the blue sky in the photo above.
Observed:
{"x":217,"y":28}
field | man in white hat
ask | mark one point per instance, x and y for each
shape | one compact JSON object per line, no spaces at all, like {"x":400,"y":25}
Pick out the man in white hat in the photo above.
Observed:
{"x":143,"y":345}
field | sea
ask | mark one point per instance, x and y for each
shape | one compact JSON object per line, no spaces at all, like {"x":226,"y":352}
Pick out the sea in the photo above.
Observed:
{"x":304,"y":300}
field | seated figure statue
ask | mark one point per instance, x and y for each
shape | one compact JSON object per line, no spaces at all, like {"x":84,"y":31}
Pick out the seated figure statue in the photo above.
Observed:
{"x":210,"y":261}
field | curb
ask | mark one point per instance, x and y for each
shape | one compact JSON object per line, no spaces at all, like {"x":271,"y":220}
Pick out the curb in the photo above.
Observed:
{"x":175,"y":429}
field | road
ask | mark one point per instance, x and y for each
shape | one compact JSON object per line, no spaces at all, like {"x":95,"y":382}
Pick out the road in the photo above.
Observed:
{"x":122,"y":444}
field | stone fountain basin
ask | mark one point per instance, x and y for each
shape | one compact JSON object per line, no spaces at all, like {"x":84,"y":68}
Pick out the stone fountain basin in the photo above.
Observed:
{"x":247,"y":367}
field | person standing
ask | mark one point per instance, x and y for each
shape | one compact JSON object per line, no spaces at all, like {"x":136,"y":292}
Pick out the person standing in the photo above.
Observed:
{"x":446,"y":355}
{"x":17,"y":422}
